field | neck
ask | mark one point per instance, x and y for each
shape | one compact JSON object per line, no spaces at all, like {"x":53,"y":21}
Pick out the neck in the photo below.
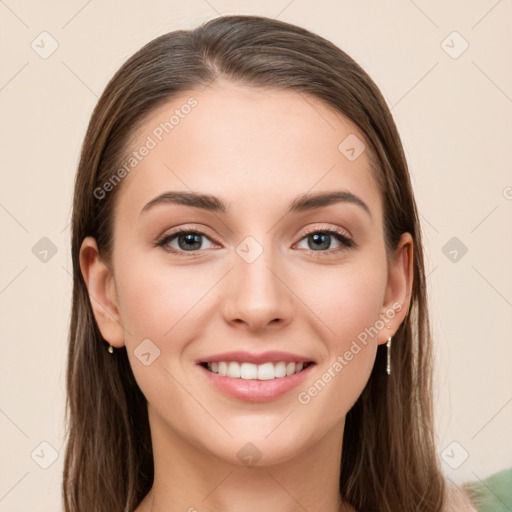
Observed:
{"x":188,"y":479}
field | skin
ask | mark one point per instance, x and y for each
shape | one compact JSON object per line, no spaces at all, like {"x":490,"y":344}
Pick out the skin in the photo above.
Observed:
{"x":256,"y":149}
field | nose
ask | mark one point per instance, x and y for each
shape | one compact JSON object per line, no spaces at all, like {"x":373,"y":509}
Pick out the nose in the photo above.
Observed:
{"x":258,"y":294}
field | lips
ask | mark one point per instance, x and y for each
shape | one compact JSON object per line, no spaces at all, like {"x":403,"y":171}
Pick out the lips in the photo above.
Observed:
{"x":256,"y":377}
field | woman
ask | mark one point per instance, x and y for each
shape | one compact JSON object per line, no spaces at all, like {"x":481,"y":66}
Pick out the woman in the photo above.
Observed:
{"x":249,"y":327}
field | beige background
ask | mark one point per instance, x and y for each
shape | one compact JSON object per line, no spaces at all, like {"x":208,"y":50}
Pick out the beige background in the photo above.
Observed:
{"x":454,"y":115}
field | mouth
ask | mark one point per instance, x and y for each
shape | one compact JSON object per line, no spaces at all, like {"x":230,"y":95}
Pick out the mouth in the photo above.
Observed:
{"x":255,"y":377}
{"x":250,"y":371}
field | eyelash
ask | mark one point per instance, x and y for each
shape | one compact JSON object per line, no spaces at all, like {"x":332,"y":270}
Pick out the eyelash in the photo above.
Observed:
{"x":339,"y":235}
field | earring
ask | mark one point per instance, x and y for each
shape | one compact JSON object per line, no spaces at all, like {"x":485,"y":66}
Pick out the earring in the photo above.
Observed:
{"x":110,"y":348}
{"x":388,"y":362}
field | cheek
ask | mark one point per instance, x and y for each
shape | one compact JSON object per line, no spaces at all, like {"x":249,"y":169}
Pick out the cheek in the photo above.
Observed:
{"x":155,"y":302}
{"x":348,"y":303}
{"x":165,"y":305}
{"x":158,"y":304}
{"x":346,"y":299}
{"x":351,"y":311}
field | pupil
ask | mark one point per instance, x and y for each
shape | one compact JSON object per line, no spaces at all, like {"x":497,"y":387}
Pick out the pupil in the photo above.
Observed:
{"x":318,"y":238}
{"x":190,"y":240}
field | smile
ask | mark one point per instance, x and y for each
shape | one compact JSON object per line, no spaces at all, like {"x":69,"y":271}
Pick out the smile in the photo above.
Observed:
{"x":252,"y":377}
{"x":251,"y":371}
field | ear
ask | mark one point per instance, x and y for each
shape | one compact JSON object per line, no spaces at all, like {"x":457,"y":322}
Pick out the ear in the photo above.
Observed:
{"x":399,"y":288}
{"x":100,"y":284}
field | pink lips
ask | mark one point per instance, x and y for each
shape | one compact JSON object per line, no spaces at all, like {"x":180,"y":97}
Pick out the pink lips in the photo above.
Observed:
{"x":254,"y":390}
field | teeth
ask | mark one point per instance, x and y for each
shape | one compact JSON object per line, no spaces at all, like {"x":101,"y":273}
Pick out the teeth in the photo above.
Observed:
{"x":233,"y":370}
{"x":280,"y":370}
{"x":248,"y":371}
{"x":223,"y":369}
{"x":265,"y":371}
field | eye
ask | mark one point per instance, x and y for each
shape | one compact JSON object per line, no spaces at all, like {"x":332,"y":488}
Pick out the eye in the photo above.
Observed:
{"x":321,"y":240}
{"x":185,"y":240}
{"x":191,"y":241}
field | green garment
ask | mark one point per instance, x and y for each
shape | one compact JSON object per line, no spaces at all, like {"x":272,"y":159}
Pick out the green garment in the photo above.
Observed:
{"x":493,"y":494}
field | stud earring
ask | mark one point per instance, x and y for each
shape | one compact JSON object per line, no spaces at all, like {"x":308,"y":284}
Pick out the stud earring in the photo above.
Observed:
{"x":388,"y":362}
{"x":110,"y":348}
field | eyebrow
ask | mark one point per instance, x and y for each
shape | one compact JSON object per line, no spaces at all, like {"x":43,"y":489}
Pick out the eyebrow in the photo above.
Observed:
{"x":300,"y":204}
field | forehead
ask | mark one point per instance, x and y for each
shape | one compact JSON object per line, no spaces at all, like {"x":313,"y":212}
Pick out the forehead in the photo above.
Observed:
{"x":256,"y":146}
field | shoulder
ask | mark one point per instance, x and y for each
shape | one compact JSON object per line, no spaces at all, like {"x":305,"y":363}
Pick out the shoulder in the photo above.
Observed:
{"x":458,"y":501}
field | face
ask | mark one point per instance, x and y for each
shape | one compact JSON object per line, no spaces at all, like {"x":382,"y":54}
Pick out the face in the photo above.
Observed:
{"x":256,"y":280}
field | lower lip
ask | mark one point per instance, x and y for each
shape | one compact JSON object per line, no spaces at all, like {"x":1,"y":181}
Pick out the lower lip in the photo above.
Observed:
{"x":253,"y":390}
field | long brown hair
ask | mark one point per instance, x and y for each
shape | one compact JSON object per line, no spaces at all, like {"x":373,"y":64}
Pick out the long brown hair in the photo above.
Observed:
{"x":389,"y":461}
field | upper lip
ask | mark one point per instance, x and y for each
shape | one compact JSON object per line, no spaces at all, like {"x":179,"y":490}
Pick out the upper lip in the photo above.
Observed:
{"x":241,"y":356}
